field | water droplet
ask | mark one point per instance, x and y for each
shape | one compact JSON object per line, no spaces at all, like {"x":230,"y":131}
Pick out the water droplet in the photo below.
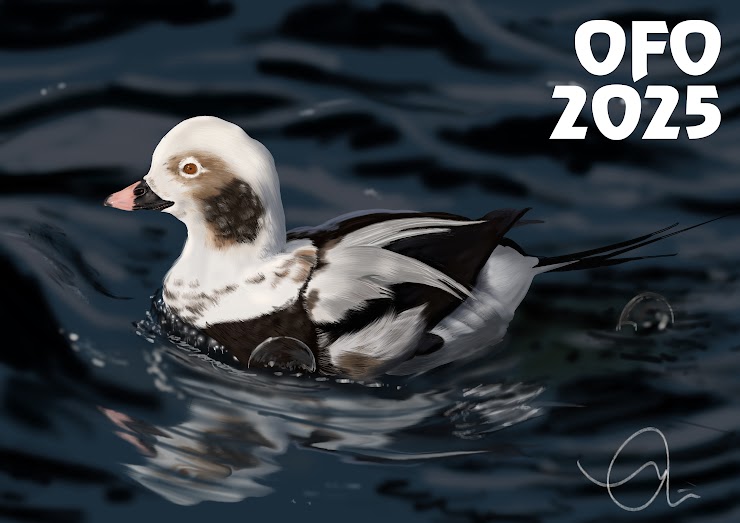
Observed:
{"x":647,"y":312}
{"x":61,"y":85}
{"x":44,"y":91}
{"x":73,"y":336}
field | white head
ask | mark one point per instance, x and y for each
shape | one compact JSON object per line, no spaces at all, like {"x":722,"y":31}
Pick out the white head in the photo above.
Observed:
{"x":218,"y":181}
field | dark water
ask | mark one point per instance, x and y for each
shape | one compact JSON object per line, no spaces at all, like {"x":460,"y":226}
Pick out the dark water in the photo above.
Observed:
{"x":428,"y":105}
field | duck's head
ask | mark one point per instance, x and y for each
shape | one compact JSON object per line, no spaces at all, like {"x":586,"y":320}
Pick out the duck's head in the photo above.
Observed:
{"x":213,"y":177}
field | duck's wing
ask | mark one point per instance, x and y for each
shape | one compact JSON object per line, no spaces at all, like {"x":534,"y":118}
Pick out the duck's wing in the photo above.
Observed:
{"x":384,"y":279}
{"x":433,"y":258}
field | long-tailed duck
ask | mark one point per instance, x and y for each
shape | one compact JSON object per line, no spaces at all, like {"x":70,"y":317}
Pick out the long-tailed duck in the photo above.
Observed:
{"x":367,"y":293}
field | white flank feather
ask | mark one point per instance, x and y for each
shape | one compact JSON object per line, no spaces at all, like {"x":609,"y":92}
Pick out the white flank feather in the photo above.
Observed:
{"x":385,"y":341}
{"x":482,"y":322}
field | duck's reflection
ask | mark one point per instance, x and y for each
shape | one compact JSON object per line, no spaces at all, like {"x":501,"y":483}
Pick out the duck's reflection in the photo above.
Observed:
{"x":219,"y":454}
{"x":239,"y":424}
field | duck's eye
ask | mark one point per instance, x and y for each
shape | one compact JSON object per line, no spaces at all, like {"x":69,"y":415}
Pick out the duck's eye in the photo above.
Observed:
{"x":189,"y":167}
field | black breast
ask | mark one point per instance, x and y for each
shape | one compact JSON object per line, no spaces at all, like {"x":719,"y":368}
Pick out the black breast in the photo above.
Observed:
{"x":242,"y":337}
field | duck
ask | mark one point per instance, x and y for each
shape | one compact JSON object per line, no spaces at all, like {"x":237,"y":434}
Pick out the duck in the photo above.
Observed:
{"x":366,"y":294}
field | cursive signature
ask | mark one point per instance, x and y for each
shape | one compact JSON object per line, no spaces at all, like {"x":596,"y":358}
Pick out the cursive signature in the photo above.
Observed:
{"x":664,"y":477}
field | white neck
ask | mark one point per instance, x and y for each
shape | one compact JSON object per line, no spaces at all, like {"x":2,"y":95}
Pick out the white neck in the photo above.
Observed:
{"x":207,"y":286}
{"x":210,"y":267}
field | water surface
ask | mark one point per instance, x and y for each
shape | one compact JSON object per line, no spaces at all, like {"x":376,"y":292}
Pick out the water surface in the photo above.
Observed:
{"x":426,"y":105}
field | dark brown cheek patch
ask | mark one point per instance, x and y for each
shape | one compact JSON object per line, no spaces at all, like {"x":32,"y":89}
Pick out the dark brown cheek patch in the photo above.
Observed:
{"x":234,"y":214}
{"x":231,"y":209}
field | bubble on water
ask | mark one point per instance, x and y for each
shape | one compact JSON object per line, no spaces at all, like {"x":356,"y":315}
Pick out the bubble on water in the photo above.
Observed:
{"x":283,"y":352}
{"x":73,"y":336}
{"x":647,"y":312}
{"x":44,"y":91}
{"x":61,"y":85}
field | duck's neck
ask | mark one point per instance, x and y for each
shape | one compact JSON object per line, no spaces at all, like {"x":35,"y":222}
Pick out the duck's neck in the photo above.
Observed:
{"x":206,"y":264}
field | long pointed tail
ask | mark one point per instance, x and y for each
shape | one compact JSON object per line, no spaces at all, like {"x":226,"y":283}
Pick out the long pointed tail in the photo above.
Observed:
{"x":605,"y":256}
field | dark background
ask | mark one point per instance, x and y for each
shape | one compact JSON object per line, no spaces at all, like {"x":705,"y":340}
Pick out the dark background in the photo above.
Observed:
{"x":428,"y":105}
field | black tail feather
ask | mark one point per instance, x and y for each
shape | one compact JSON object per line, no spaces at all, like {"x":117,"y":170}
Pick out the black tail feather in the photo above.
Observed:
{"x":604,"y":261}
{"x":631,"y":244}
{"x":605,"y":256}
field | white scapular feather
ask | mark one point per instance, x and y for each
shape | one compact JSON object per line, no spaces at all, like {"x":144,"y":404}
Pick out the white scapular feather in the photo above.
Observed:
{"x":386,"y":232}
{"x":356,"y":274}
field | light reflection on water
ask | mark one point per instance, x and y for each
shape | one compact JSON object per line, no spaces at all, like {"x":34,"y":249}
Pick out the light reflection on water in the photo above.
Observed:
{"x":239,"y":421}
